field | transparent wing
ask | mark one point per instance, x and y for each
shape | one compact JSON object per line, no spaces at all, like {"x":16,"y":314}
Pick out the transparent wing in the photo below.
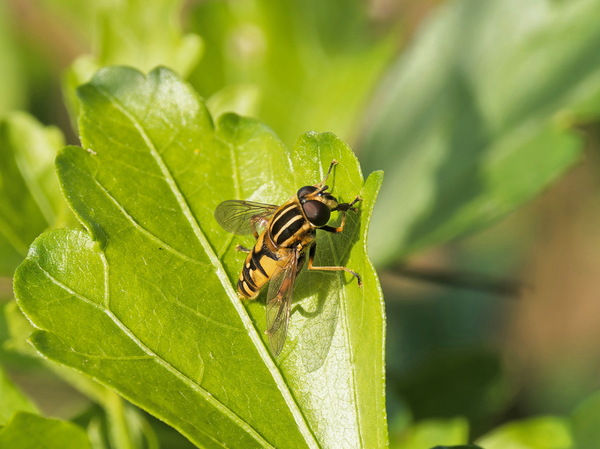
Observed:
{"x":279,"y":301}
{"x":243,"y":217}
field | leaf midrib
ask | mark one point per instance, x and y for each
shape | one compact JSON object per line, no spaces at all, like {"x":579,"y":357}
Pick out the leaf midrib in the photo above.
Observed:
{"x":223,"y":278}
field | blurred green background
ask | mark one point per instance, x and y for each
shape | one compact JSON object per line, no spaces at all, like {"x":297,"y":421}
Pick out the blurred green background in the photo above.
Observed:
{"x":484,"y":116}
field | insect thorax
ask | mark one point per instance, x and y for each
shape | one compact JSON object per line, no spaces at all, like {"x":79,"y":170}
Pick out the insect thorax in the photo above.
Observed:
{"x":289,"y":226}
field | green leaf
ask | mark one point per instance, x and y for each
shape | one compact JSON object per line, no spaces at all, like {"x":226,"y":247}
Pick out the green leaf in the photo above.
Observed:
{"x":30,"y":199}
{"x":28,"y":431}
{"x":12,"y":400}
{"x":241,"y":99}
{"x":428,"y":433}
{"x":547,"y":432}
{"x":144,"y":300}
{"x":584,"y":423}
{"x":473,"y":119}
{"x":146,"y":34}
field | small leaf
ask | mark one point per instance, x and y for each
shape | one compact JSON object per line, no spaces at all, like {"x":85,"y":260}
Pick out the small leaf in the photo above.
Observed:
{"x":546,"y":432}
{"x":30,"y":199}
{"x":12,"y":400}
{"x":428,"y":433}
{"x":472,"y":121}
{"x":137,"y":34}
{"x":28,"y":431}
{"x":241,"y":99}
{"x":129,"y":34}
{"x":144,"y":300}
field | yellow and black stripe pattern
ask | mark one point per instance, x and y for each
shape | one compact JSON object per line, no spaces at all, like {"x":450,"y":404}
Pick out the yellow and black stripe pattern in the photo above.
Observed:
{"x":273,"y":248}
{"x":288,"y":225}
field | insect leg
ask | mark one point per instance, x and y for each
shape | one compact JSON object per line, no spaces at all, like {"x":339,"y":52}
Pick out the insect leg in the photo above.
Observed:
{"x":343,"y":207}
{"x":310,"y":266}
{"x":348,"y":206}
{"x":242,"y":249}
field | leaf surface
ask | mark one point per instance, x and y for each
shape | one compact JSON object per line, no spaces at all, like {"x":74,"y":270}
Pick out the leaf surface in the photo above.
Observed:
{"x":144,"y":300}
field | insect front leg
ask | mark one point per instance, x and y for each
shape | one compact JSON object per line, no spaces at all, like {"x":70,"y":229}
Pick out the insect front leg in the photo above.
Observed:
{"x":310,"y":266}
{"x":342,"y":207}
{"x":348,"y":206}
{"x":242,"y":249}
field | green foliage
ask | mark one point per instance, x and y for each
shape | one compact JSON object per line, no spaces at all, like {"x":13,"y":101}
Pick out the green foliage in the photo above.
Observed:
{"x":145,"y":184}
{"x":472,"y":120}
{"x":126,"y":33}
{"x":313,"y":63}
{"x":578,"y":431}
{"x":28,"y":431}
{"x":30,"y":199}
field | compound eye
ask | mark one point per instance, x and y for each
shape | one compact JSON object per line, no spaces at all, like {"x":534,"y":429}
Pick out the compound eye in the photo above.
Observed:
{"x":317,"y":212}
{"x":306,"y":190}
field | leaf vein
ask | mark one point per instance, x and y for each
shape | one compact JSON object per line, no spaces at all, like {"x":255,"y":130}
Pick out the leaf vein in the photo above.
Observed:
{"x":143,"y":230}
{"x":166,"y":365}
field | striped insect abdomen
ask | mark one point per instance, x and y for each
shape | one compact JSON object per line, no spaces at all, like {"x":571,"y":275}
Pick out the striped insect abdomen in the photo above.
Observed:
{"x":261,"y":264}
{"x":272,"y":250}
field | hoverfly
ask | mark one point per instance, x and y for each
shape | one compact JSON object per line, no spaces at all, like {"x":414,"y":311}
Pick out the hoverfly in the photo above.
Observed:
{"x":283,"y":235}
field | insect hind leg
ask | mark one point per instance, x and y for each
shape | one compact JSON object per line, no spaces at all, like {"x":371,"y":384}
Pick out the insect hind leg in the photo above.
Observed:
{"x":242,"y":249}
{"x":310,"y":266}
